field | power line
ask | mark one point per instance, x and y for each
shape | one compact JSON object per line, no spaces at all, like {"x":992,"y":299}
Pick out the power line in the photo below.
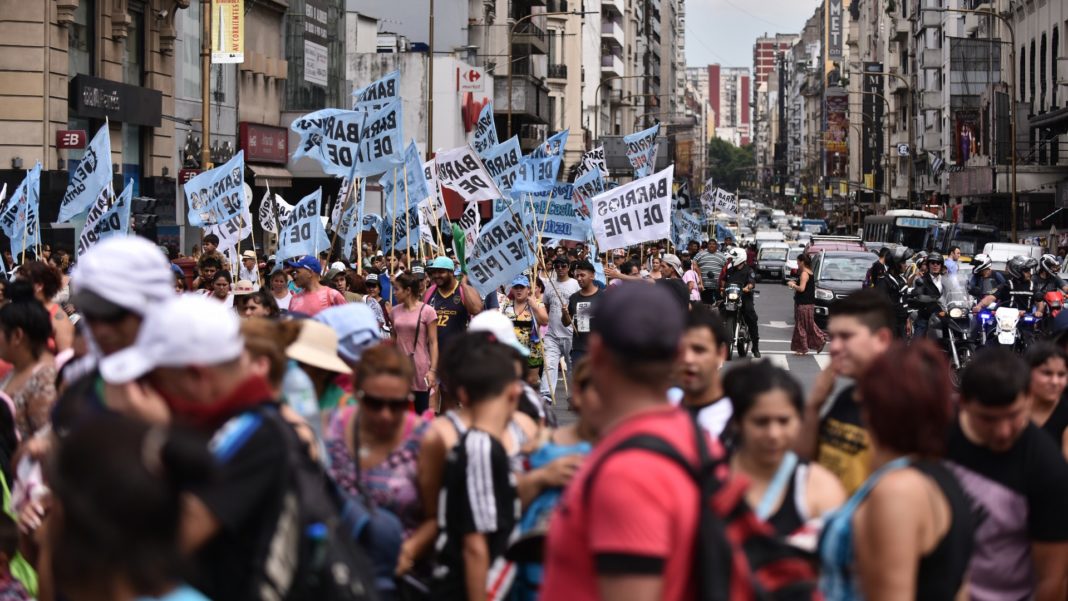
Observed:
{"x":758,"y":18}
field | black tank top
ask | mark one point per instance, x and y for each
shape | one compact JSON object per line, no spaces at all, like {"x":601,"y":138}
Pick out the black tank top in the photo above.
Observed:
{"x":941,"y":571}
{"x":808,"y":295}
{"x":1058,"y":421}
{"x":788,"y":519}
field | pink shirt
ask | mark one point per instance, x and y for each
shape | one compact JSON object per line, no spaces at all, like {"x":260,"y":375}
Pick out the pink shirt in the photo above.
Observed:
{"x":405,"y":323}
{"x":690,"y":276}
{"x":311,"y":303}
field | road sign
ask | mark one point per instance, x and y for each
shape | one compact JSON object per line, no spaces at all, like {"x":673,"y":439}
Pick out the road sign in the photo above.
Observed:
{"x":471,"y":79}
{"x":902,"y":150}
{"x":71,"y":138}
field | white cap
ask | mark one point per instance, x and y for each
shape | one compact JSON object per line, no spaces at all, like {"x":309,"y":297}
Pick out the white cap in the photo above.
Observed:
{"x":494,"y":322}
{"x":190,"y":329}
{"x":338,"y":265}
{"x":128,"y":271}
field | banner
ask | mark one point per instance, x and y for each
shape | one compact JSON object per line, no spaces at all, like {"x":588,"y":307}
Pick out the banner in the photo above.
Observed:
{"x":377,"y":94}
{"x":18,"y":218}
{"x":708,"y":201}
{"x":635,"y":212}
{"x":92,"y":175}
{"x":462,"y":171}
{"x":109,"y":216}
{"x":502,"y":251}
{"x":303,"y":233}
{"x":237,"y":228}
{"x":557,"y":216}
{"x":502,"y":162}
{"x":538,"y":171}
{"x":470,"y":223}
{"x":372,"y":222}
{"x":227,"y":31}
{"x":380,"y":141}
{"x":594,"y":161}
{"x":725,"y":202}
{"x":274,"y":210}
{"x":641,"y":150}
{"x":587,"y":186}
{"x":485,"y":136}
{"x":404,"y":225}
{"x":686,"y":226}
{"x":343,"y":125}
{"x":216,"y":195}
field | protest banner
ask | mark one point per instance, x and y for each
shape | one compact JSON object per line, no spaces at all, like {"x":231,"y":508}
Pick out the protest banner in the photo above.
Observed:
{"x":377,"y":94}
{"x":18,"y":218}
{"x":686,"y":226}
{"x":470,"y":222}
{"x":594,"y":161}
{"x":708,"y":201}
{"x":372,"y":222}
{"x":558,"y":216}
{"x":109,"y":216}
{"x":503,"y":250}
{"x":302,"y":233}
{"x":348,"y":217}
{"x":635,"y":212}
{"x":641,"y":150}
{"x":427,"y":221}
{"x":404,"y":225}
{"x":235,"y":229}
{"x":485,"y":135}
{"x":537,"y":171}
{"x":502,"y":162}
{"x":462,"y":171}
{"x":587,"y":186}
{"x":216,"y":195}
{"x":380,"y":144}
{"x":312,"y":126}
{"x":726,"y":202}
{"x":267,"y":213}
{"x":411,"y":172}
{"x":89,"y":178}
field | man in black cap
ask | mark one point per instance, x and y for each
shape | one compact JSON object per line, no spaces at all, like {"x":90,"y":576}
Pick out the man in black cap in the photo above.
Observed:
{"x":633,"y":346}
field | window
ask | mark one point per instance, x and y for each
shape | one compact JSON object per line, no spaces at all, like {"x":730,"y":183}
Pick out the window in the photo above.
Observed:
{"x":189,"y":38}
{"x":133,"y":60}
{"x":1042,"y":75}
{"x":81,"y":35}
{"x":552,"y":113}
{"x":1023,"y":73}
{"x":553,"y":54}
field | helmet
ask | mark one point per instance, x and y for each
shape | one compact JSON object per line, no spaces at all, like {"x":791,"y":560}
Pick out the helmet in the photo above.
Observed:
{"x":1017,"y":265}
{"x":738,"y":257}
{"x":981,"y":262}
{"x":920,"y":257}
{"x":901,"y":254}
{"x":1030,"y":263}
{"x":1050,"y":264}
{"x":936,"y":258}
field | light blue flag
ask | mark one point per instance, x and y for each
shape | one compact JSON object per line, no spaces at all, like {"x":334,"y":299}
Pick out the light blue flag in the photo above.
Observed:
{"x":405,"y":225}
{"x":217,"y":195}
{"x":537,"y":172}
{"x":303,"y":232}
{"x":18,"y":218}
{"x":587,"y":186}
{"x":377,"y":94}
{"x":109,"y":216}
{"x":410,"y":171}
{"x":381,"y":144}
{"x":311,"y":128}
{"x":485,"y":136}
{"x":503,"y":249}
{"x":372,"y":222}
{"x":557,"y":216}
{"x":352,"y":215}
{"x":641,"y":151}
{"x":686,"y":226}
{"x":553,"y":146}
{"x":595,"y":254}
{"x":502,"y":162}
{"x":92,"y":175}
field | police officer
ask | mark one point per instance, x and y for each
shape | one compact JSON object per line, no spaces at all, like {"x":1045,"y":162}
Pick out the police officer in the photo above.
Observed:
{"x":739,"y":272}
{"x":927,"y":292}
{"x":1049,"y":266}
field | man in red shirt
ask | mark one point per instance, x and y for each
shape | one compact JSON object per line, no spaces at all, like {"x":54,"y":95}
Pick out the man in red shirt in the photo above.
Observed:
{"x":630,"y":534}
{"x":314,"y":297}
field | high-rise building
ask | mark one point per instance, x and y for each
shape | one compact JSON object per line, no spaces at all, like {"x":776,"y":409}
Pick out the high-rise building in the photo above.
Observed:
{"x":764,"y":52}
{"x":728,"y":95}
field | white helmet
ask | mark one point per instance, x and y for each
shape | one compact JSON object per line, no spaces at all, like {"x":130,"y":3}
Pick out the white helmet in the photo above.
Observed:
{"x":738,"y":256}
{"x":981,"y":262}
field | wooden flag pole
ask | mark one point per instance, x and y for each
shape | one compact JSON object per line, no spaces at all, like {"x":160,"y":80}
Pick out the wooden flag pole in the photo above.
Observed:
{"x":393,"y":220}
{"x":408,"y":219}
{"x":533,"y":251}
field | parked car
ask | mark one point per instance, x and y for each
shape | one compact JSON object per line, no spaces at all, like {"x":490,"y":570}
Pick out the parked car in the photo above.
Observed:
{"x":821,"y":243}
{"x":771,"y":257}
{"x":1001,"y":252}
{"x":789,"y":269}
{"x":837,"y":274}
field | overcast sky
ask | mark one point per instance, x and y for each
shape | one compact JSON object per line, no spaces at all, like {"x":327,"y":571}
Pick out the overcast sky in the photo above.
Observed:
{"x":723,"y":31}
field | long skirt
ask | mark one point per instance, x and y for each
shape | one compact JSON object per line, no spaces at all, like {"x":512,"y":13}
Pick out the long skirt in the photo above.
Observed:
{"x":807,"y":335}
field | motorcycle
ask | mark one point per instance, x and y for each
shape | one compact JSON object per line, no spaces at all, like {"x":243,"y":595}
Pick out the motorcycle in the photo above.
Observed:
{"x":951,"y":325}
{"x":1004,"y":326}
{"x":730,"y":309}
{"x":1054,"y":302}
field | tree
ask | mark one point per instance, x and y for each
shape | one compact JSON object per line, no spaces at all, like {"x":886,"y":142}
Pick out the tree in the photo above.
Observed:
{"x":728,"y":164}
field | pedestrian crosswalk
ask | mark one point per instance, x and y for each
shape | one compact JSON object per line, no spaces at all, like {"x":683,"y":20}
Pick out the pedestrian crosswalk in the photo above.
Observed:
{"x":785,"y":359}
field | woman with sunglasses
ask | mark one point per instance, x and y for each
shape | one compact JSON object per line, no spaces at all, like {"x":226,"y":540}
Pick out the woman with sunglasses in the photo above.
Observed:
{"x":374,"y":445}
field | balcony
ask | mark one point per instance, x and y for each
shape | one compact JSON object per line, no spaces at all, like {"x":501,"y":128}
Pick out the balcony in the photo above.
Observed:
{"x":557,"y":71}
{"x":902,"y":29}
{"x":611,"y":33}
{"x":613,"y":7}
{"x":929,"y":19}
{"x":530,"y":36}
{"x":930,"y":58}
{"x":529,"y":102}
{"x":611,"y":65}
{"x":931,"y":100}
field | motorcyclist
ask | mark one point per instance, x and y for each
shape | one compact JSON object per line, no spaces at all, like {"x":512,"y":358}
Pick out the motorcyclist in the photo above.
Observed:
{"x":739,"y":272}
{"x":894,"y":285}
{"x":926,"y":293}
{"x":984,"y":280}
{"x":1019,"y":291}
{"x":1049,"y":266}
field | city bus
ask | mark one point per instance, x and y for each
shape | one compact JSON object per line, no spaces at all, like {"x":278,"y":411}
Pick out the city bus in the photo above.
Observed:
{"x":901,"y":226}
{"x":970,"y":237}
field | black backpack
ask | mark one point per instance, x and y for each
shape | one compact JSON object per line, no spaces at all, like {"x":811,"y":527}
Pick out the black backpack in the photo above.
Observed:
{"x":738,"y":556}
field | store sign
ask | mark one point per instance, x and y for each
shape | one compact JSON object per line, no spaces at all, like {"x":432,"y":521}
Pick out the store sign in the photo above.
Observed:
{"x":67,"y":139}
{"x":95,"y":98}
{"x":184,"y":175}
{"x":264,"y":143}
{"x":834,"y":29}
{"x":316,"y":57}
{"x":227,"y":31}
{"x":471,"y":79}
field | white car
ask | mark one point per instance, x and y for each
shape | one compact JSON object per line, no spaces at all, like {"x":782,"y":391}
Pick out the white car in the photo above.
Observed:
{"x":789,"y":269}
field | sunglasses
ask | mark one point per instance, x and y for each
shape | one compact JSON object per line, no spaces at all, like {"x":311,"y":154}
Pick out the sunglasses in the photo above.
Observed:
{"x":377,"y":404}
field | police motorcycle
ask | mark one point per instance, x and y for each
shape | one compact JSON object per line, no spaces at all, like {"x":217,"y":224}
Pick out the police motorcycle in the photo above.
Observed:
{"x":1007,"y":324}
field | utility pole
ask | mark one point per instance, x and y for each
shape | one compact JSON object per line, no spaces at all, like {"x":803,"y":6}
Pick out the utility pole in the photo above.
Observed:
{"x":430,"y":89}
{"x":205,"y":85}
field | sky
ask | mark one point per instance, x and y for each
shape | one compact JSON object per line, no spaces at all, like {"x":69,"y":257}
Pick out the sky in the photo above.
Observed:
{"x":723,"y":31}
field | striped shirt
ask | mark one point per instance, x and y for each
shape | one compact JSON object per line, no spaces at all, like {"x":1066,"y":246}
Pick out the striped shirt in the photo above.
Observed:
{"x":707,"y":262}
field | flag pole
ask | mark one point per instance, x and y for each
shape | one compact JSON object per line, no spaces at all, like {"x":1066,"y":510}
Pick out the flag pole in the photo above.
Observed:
{"x":532,"y":250}
{"x":408,"y":220}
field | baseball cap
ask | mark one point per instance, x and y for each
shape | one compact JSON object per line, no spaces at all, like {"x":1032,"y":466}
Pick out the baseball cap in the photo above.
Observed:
{"x":190,"y":329}
{"x":305,"y":262}
{"x":418,"y":271}
{"x":372,"y":278}
{"x":444,"y":263}
{"x":495,"y":323}
{"x":356,"y":327}
{"x":331,"y":274}
{"x":127,"y":272}
{"x":626,"y":325}
{"x":316,"y":345}
{"x":249,"y":254}
{"x":521,"y":280}
{"x":338,"y":265}
{"x":243,"y":287}
{"x":673,"y":261}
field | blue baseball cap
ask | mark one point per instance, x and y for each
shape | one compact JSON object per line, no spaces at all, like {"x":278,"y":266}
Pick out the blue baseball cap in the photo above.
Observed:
{"x":305,"y":262}
{"x":521,"y":280}
{"x":442,"y":263}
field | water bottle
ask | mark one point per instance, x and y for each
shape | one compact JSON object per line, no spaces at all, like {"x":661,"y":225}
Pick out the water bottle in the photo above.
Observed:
{"x":299,"y":393}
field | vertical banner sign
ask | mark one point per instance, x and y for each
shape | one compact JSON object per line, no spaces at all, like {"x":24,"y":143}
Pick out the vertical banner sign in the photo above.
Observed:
{"x":833,"y":28}
{"x":470,"y":223}
{"x":316,"y":57}
{"x":503,"y":250}
{"x":836,"y":132}
{"x":873,"y":145}
{"x":227,"y":31}
{"x":641,"y":150}
{"x":18,"y":218}
{"x":92,"y":175}
{"x":109,"y":216}
{"x":377,"y":94}
{"x":635,"y":212}
{"x":303,"y":233}
{"x":461,"y":171}
{"x":485,"y":135}
{"x":502,"y":162}
{"x":217,"y":194}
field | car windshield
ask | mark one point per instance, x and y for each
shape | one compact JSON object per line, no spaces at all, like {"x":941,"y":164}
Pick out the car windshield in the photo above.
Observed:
{"x":845,"y":269}
{"x":794,"y":253}
{"x":773,"y":254}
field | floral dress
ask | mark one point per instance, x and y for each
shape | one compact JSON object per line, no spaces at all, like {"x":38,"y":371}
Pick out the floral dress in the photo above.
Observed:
{"x":526,"y":331}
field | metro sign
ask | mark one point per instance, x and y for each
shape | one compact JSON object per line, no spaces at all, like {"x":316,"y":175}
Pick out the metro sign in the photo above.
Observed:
{"x":470,"y":79}
{"x":71,"y":139}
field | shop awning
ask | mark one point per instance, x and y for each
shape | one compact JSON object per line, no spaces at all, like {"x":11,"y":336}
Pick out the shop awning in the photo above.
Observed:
{"x":271,"y":175}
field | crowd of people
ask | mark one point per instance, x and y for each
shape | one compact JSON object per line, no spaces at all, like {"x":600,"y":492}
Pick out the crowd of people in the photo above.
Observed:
{"x":315,"y":429}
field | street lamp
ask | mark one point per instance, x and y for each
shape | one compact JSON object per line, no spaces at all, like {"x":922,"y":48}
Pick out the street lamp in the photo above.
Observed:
{"x":511,"y":34}
{"x":1012,"y":90}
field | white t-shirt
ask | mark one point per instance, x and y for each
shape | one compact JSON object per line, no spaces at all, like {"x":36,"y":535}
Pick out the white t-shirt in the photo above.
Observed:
{"x":283,"y":303}
{"x":713,"y":418}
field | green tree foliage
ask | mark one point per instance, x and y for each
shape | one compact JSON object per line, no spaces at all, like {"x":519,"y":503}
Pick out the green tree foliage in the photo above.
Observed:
{"x":729,"y":165}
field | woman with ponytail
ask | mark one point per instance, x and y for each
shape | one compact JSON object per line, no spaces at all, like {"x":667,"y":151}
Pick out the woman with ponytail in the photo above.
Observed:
{"x":29,"y":390}
{"x":47,"y":281}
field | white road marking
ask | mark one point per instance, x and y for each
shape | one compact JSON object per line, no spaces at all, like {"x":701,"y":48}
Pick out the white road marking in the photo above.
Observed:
{"x":823,"y":360}
{"x":779,"y":361}
{"x":777,"y":324}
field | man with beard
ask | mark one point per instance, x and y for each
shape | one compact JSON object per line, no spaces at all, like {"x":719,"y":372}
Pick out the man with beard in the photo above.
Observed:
{"x":455,"y":300}
{"x":313,"y":297}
